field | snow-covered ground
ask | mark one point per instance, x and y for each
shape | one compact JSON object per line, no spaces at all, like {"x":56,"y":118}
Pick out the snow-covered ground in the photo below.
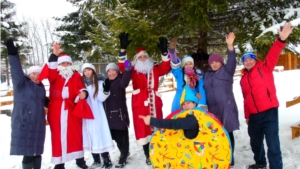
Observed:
{"x":288,"y":87}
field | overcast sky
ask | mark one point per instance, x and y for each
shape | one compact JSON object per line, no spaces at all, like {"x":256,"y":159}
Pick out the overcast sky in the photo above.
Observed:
{"x":42,"y":8}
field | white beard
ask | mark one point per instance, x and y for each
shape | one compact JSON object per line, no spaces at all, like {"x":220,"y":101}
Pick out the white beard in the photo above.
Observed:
{"x":65,"y":72}
{"x":144,"y":66}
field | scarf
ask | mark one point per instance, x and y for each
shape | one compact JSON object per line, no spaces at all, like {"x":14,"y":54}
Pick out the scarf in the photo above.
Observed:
{"x":87,"y":81}
{"x":192,"y":77}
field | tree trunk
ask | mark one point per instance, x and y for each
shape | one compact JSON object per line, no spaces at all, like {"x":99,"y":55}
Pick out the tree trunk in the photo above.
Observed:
{"x":7,"y":71}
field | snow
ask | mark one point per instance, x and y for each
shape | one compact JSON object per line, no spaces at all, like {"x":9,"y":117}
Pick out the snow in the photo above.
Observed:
{"x":287,"y":84}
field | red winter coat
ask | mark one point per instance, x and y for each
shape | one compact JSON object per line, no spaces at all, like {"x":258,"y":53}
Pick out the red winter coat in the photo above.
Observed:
{"x":258,"y":84}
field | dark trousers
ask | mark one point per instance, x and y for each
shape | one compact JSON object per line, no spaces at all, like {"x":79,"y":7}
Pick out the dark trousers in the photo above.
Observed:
{"x":121,"y":137}
{"x":232,"y":146}
{"x":265,"y":125}
{"x":30,"y":159}
{"x":146,"y":150}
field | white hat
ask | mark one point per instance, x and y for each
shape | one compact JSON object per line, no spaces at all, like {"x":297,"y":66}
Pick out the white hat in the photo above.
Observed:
{"x":32,"y":69}
{"x":185,"y":59}
{"x":112,"y":66}
{"x":87,"y":65}
{"x":64,"y":58}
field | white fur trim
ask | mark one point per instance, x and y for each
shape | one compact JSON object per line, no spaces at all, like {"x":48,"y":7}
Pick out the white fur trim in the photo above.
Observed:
{"x":177,"y":65}
{"x":87,"y":65}
{"x":137,"y":91}
{"x":69,"y":157}
{"x":53,"y":65}
{"x":143,"y":141}
{"x":65,"y":92}
{"x":146,"y":103}
{"x":64,"y":59}
{"x":164,"y":58}
{"x":76,"y":99}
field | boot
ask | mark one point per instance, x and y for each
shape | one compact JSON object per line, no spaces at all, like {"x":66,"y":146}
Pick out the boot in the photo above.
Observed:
{"x":122,"y":160}
{"x":257,"y":166}
{"x":106,"y":161}
{"x":81,"y":163}
{"x":37,"y":163}
{"x":59,"y":166}
{"x":97,"y":161}
{"x":27,"y":166}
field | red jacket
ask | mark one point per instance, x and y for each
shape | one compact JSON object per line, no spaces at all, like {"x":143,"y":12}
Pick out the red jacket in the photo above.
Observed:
{"x":258,"y":86}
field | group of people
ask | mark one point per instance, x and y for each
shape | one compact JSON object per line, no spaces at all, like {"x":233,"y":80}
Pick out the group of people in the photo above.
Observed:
{"x":106,"y":99}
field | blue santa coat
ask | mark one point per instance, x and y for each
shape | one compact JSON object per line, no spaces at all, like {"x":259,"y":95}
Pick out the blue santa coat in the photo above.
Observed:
{"x":178,"y":74}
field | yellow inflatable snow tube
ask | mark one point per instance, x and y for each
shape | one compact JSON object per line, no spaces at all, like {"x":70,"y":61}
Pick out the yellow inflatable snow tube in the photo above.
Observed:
{"x":211,"y":149}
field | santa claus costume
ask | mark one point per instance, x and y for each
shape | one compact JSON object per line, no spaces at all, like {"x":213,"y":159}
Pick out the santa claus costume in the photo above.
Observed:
{"x":146,"y":100}
{"x":66,"y":129}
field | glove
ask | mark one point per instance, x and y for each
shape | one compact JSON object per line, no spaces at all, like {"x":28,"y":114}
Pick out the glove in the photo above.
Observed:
{"x":106,"y":85}
{"x":127,"y":65}
{"x":11,"y":49}
{"x":163,"y":45}
{"x":124,"y":42}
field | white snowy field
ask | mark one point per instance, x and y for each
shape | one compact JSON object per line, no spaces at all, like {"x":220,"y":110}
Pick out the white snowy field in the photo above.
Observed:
{"x":288,"y":87}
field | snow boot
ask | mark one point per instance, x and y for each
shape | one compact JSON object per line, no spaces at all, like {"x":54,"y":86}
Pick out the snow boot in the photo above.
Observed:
{"x":122,"y":160}
{"x":148,"y":162}
{"x":81,"y":163}
{"x":97,"y":161}
{"x":257,"y":166}
{"x":59,"y":166}
{"x":27,"y":166}
{"x":95,"y":165}
{"x":106,"y":161}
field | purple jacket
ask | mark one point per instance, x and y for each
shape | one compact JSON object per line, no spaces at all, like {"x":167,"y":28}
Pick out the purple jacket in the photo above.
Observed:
{"x":115,"y":105}
{"x":219,"y":95}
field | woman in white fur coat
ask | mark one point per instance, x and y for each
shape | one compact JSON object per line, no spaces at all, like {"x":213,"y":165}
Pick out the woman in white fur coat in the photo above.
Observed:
{"x":96,"y":134}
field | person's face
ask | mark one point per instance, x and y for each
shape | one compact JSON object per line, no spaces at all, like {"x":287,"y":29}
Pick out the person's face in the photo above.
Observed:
{"x":188,"y":105}
{"x":142,"y":57}
{"x":188,"y":66}
{"x":112,"y":74}
{"x":88,"y":72}
{"x":249,"y":63}
{"x":215,"y":65}
{"x":34,"y":76}
{"x":65,"y":64}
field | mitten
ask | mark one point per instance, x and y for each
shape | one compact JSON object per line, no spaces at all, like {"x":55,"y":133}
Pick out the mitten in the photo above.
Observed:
{"x":106,"y":85}
{"x":124,"y":42}
{"x":173,"y":56}
{"x":11,"y":49}
{"x":163,"y":45}
{"x":127,"y":65}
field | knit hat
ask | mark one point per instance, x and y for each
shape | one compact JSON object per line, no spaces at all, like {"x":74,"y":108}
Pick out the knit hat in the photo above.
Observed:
{"x":112,"y":66}
{"x":215,"y":57}
{"x":188,"y":95}
{"x":248,"y":55}
{"x":32,"y":69}
{"x":139,"y":52}
{"x":87,"y":65}
{"x":185,"y":59}
{"x":64,"y":58}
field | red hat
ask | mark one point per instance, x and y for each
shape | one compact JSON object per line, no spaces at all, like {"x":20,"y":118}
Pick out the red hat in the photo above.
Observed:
{"x":139,"y":52}
{"x":64,"y":58}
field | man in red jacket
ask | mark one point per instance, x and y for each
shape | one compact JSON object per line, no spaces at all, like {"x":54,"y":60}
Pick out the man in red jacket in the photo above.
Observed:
{"x":261,"y":103}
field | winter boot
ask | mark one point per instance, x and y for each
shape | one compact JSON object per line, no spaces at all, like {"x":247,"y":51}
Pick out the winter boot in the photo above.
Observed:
{"x":257,"y":166}
{"x":27,"y":165}
{"x":148,"y":162}
{"x":106,"y":161}
{"x":37,"y":163}
{"x":81,"y":163}
{"x":97,"y":161}
{"x":59,"y":166}
{"x":122,"y":160}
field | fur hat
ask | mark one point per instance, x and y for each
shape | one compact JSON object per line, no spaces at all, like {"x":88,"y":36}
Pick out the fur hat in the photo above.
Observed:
{"x":139,"y":52}
{"x":112,"y":66}
{"x":87,"y":65}
{"x":188,"y":95}
{"x":215,"y":57}
{"x":185,"y":59}
{"x":64,"y":58}
{"x":248,"y":55}
{"x":32,"y":69}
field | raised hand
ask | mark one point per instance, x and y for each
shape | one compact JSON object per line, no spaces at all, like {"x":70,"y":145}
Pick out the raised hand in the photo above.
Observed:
{"x":229,"y":40}
{"x":173,"y":43}
{"x":163,"y":45}
{"x":124,"y":42}
{"x":286,"y":31}
{"x":56,"y":48}
{"x":11,"y":48}
{"x":127,"y":65}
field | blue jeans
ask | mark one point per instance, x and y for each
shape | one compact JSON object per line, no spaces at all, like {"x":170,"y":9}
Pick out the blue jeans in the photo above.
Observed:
{"x":265,"y":125}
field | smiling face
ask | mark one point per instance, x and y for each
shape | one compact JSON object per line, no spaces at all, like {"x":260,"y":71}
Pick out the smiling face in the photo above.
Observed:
{"x":88,"y":72}
{"x":215,"y":65}
{"x":188,"y":66}
{"x":188,"y":105}
{"x":142,"y":58}
{"x":34,"y":76}
{"x":112,"y":74}
{"x":65,"y":64}
{"x":249,"y":63}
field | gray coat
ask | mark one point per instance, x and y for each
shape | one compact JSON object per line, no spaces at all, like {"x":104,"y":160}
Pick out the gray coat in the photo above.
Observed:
{"x":28,"y":115}
{"x":115,"y":105}
{"x":219,"y":95}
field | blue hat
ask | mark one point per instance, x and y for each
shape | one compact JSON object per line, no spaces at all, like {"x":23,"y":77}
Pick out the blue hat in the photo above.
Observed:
{"x":248,"y":55}
{"x":188,"y":95}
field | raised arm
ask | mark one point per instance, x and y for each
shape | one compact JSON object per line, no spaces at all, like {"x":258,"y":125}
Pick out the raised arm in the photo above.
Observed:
{"x":127,"y":74}
{"x":52,"y":61}
{"x":124,"y":42}
{"x":231,"y":63}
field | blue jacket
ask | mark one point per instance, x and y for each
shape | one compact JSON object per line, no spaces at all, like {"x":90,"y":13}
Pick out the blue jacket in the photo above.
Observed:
{"x":28,"y":115}
{"x":178,"y":74}
{"x":219,"y":94}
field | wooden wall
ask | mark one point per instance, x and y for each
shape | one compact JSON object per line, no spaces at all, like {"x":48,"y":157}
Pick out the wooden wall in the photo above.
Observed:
{"x":289,"y":61}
